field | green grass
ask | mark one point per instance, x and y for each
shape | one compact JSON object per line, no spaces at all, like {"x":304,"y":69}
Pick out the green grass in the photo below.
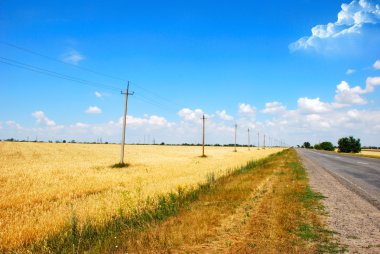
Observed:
{"x":310,"y":230}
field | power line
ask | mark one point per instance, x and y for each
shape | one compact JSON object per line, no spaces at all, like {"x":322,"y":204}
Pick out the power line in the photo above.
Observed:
{"x":50,"y":73}
{"x":60,"y":61}
{"x":156,"y":94}
{"x":40,"y":70}
{"x":86,"y":69}
{"x":148,"y":101}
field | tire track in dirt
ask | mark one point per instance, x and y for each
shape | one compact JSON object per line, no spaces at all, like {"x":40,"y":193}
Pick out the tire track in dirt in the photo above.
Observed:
{"x":234,"y":229}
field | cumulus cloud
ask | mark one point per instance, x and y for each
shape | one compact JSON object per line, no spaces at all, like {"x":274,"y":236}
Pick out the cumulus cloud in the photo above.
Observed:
{"x":376,"y":65}
{"x":311,"y":120}
{"x":93,"y":110}
{"x":191,"y":115}
{"x":73,"y":57}
{"x":307,"y":105}
{"x":152,"y":120}
{"x":41,"y":118}
{"x":246,"y":110}
{"x":350,"y":71}
{"x":345,"y":95}
{"x":224,"y":116}
{"x":274,"y":107}
{"x":351,"y":20}
{"x":371,"y":83}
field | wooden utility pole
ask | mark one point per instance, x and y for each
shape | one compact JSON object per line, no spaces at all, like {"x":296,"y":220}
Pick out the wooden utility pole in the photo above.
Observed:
{"x":126,"y":93}
{"x":235,"y":136}
{"x":264,"y":141}
{"x":248,"y":140}
{"x":203,"y":135}
{"x":258,"y":140}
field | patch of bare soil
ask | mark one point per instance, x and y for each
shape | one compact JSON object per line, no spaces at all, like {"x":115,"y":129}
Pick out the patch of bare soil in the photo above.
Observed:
{"x":356,"y":221}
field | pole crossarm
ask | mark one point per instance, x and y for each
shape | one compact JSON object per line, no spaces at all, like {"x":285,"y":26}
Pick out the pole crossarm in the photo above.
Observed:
{"x":126,"y":93}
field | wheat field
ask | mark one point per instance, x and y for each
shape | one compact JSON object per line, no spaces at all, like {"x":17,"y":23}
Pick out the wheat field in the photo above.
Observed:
{"x":43,"y":184}
{"x":374,"y":153}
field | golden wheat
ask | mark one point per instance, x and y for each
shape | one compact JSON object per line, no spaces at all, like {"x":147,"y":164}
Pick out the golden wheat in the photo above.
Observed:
{"x":42,"y":184}
{"x":373,"y":153}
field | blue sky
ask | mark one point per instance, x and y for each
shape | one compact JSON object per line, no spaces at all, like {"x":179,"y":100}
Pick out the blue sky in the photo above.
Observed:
{"x":294,"y":70}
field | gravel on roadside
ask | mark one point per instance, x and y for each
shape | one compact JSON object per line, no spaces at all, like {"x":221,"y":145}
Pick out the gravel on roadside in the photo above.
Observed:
{"x":356,"y":221}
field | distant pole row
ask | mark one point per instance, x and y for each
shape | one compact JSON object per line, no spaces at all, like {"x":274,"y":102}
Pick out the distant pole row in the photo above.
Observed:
{"x":127,"y":93}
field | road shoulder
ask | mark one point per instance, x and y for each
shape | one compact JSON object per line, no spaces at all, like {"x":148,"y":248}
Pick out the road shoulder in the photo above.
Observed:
{"x":356,"y":221}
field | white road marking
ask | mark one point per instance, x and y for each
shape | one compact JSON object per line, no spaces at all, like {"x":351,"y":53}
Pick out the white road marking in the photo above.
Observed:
{"x":365,"y":163}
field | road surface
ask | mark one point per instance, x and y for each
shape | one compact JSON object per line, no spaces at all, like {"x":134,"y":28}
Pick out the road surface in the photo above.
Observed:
{"x":360,"y":174}
{"x":351,"y":185}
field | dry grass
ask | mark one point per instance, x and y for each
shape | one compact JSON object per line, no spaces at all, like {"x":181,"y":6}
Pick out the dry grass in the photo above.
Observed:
{"x":265,"y":208}
{"x":42,"y":185}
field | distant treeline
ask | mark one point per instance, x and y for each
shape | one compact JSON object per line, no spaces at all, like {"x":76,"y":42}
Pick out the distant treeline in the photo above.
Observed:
{"x":162,"y":143}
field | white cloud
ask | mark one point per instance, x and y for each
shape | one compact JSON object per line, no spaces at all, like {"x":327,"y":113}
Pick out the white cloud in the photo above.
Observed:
{"x":152,"y":120}
{"x":350,"y":71}
{"x":80,"y":125}
{"x":73,"y":57}
{"x":345,"y":95}
{"x":350,"y":22}
{"x":376,"y":65}
{"x":311,"y":120}
{"x":13,"y":125}
{"x":93,"y":110}
{"x":191,"y":115}
{"x":98,"y":94}
{"x":224,"y":116}
{"x":274,"y":107}
{"x":307,"y":105}
{"x":41,"y":118}
{"x":246,"y":109}
{"x":371,"y":83}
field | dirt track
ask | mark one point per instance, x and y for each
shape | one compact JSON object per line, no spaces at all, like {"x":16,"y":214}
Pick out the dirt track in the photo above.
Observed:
{"x":356,"y":221}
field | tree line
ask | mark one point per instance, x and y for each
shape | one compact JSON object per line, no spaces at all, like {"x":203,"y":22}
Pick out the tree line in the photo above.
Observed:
{"x":345,"y":145}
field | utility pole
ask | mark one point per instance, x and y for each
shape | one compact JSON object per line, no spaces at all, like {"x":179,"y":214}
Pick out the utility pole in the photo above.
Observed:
{"x":203,"y":135}
{"x":264,"y":141}
{"x":126,"y":93}
{"x":258,"y":140}
{"x":235,"y":136}
{"x":248,"y":140}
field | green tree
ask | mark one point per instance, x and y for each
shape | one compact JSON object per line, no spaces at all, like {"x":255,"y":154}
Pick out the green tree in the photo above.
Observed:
{"x":349,"y":145}
{"x":306,"y":145}
{"x":327,"y":146}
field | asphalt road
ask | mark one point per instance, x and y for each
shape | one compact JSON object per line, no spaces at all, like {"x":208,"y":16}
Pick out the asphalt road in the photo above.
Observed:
{"x":360,"y":174}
